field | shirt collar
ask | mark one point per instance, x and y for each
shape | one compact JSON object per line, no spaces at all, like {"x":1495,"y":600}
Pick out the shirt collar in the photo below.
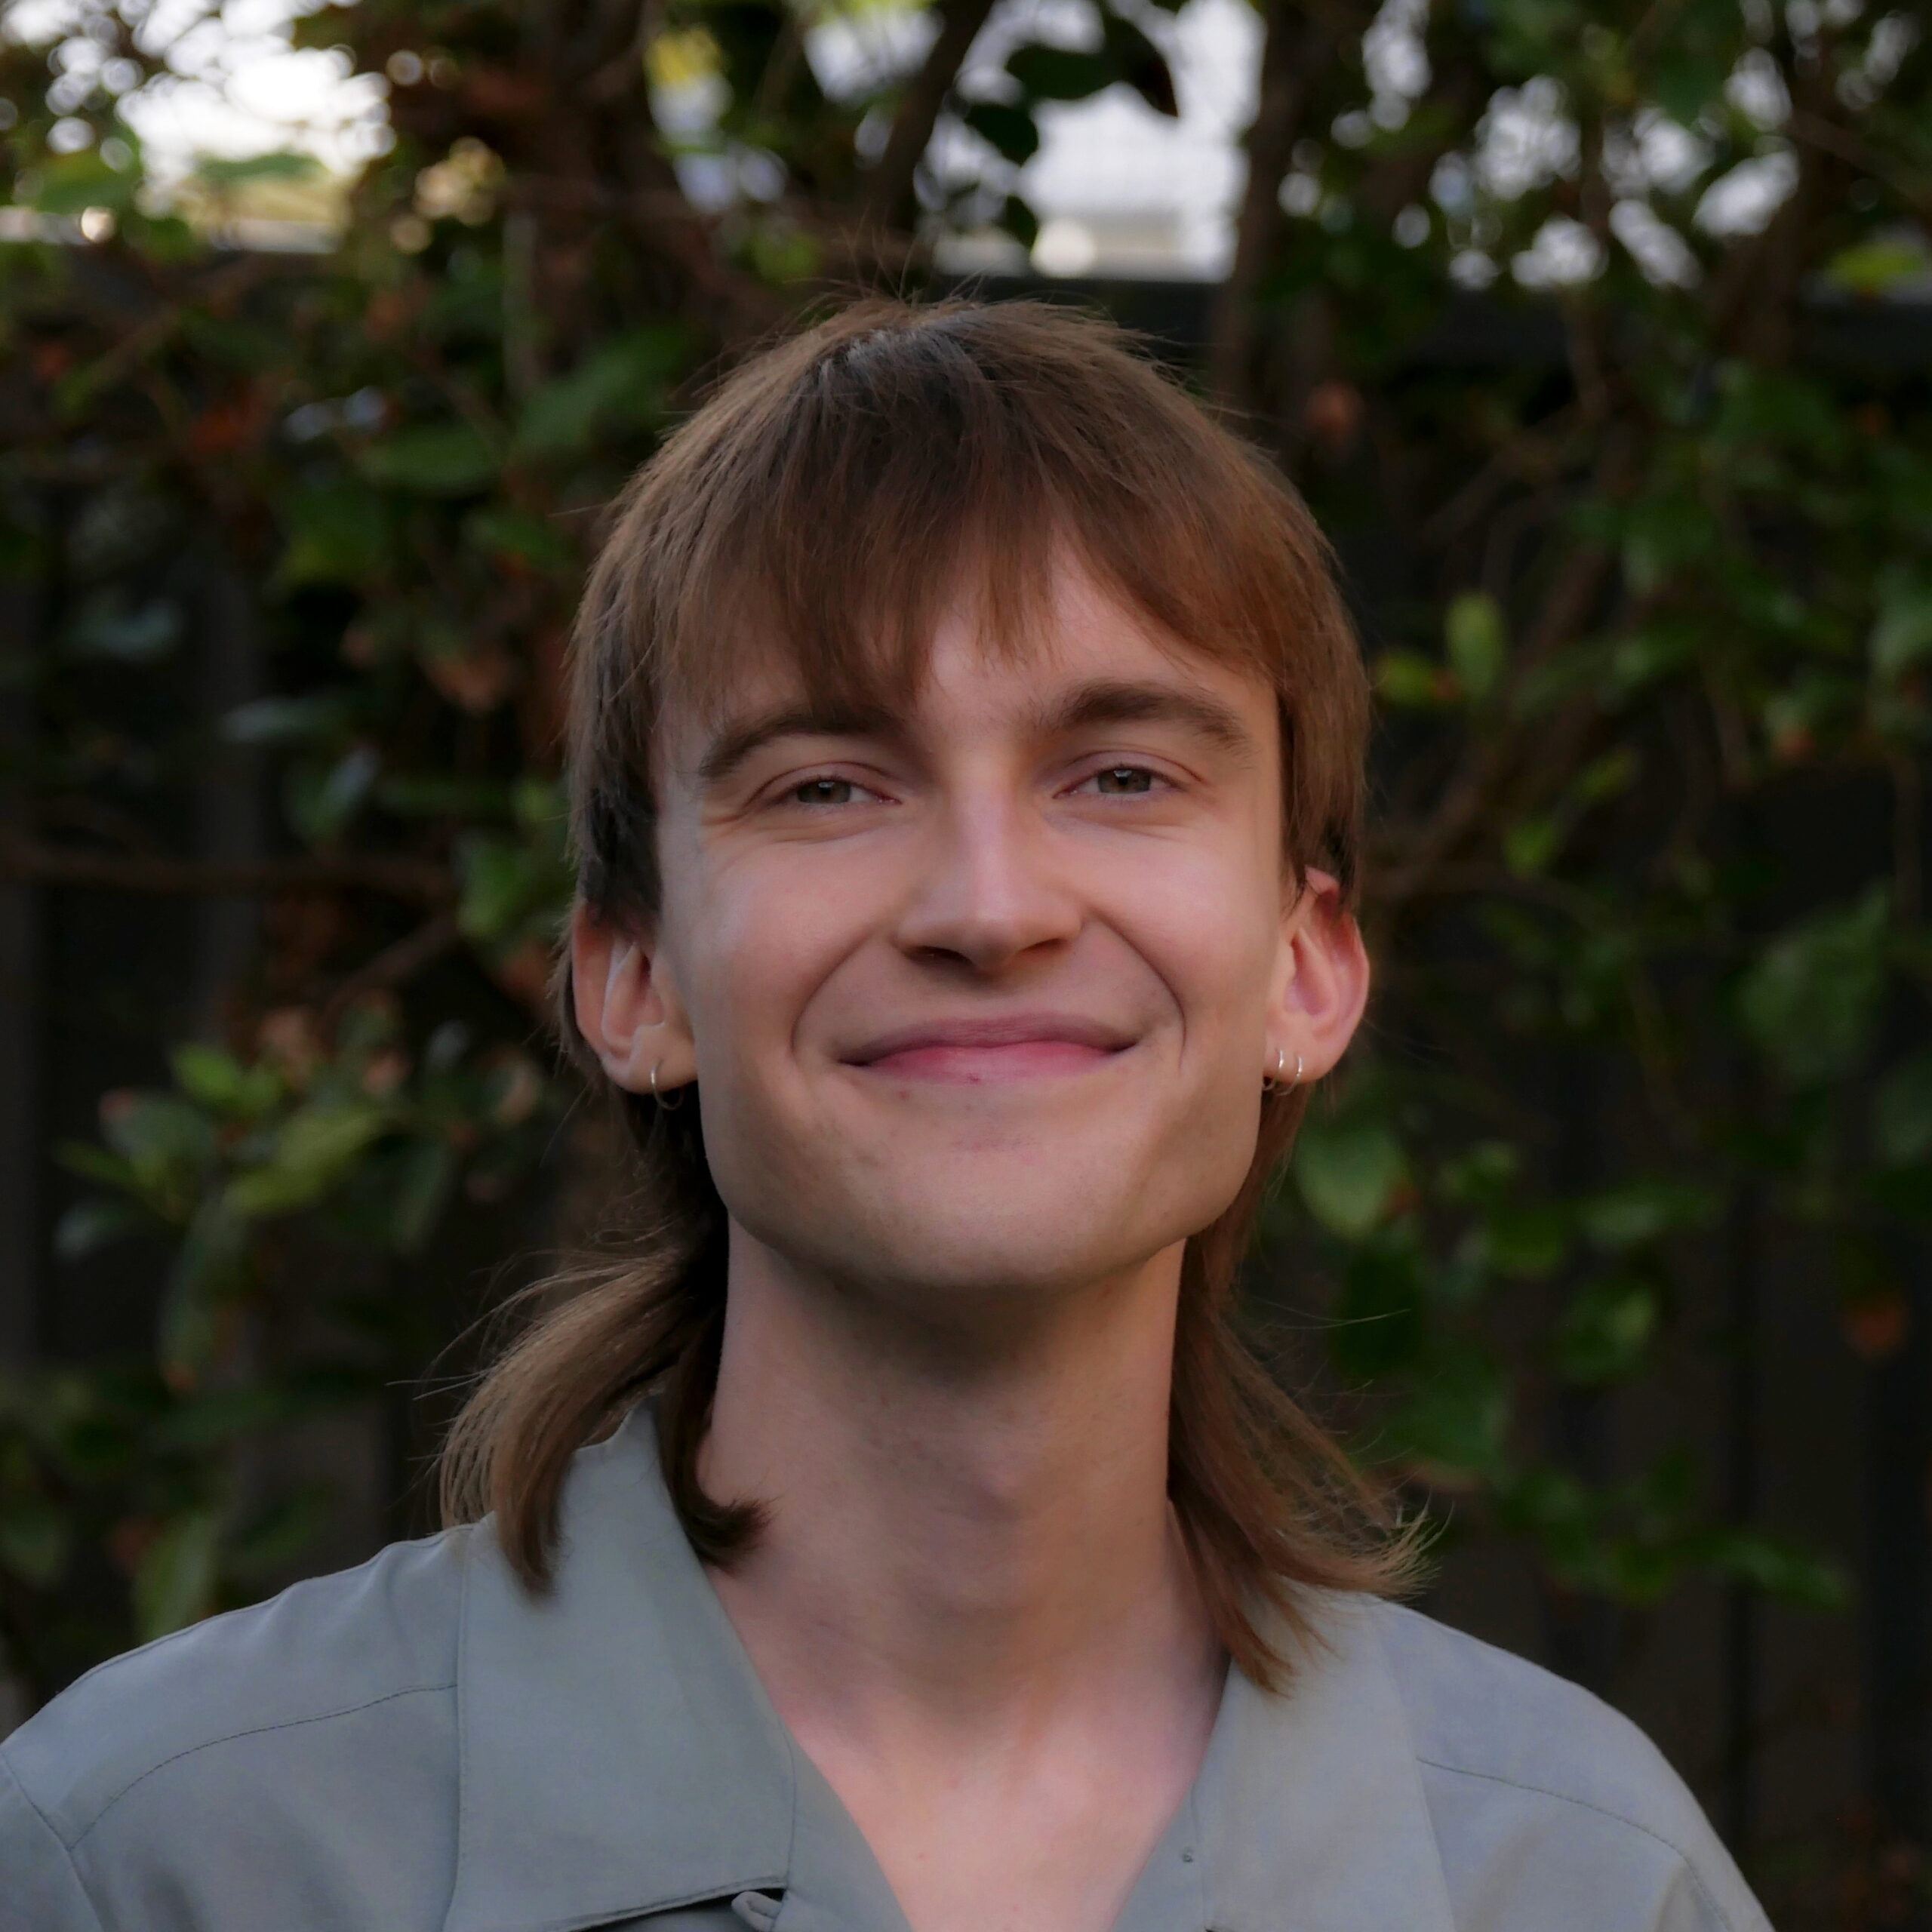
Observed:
{"x":1309,"y":1804}
{"x":619,"y":1757}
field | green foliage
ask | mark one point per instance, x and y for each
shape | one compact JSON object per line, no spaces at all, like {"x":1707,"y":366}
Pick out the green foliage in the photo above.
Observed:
{"x":1659,"y":597}
{"x":1651,"y":596}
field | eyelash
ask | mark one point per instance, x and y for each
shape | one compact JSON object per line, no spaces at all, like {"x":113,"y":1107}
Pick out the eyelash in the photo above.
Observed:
{"x":792,"y":793}
{"x":1156,"y":780}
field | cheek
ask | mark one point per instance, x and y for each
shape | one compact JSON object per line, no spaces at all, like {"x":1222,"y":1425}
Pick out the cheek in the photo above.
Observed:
{"x":1207,"y":923}
{"x":766,"y":934}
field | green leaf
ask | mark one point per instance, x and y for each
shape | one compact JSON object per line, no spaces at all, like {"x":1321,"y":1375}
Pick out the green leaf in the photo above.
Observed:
{"x":336,"y":533}
{"x":1348,"y":1173}
{"x":168,"y":1142}
{"x":1644,"y":656}
{"x":317,"y":1144}
{"x":1812,"y":998}
{"x":1528,"y":1242}
{"x":1876,"y":266}
{"x":1017,"y":218}
{"x":1456,"y":1423}
{"x":617,"y":390}
{"x":1604,"y":777}
{"x":433,"y":459}
{"x":1137,"y":61}
{"x":36,"y":1539}
{"x":1606,"y":1329}
{"x":108,"y":626}
{"x":1902,"y":1111}
{"x":69,"y":183}
{"x":1476,"y":643}
{"x":1407,"y":678}
{"x":321,"y":800}
{"x":175,"y":1585}
{"x":223,"y":173}
{"x":211,"y":1268}
{"x":496,"y":877}
{"x":1059,"y":73}
{"x":216,"y":1079}
{"x":507,"y":885}
{"x":1778,"y":1568}
{"x":1531,"y":844}
{"x":1642,"y":1212}
{"x":93,"y":1223}
{"x":507,"y":531}
{"x":316,"y":715}
{"x":1686,"y":81}
{"x":1903,"y":633}
{"x":428,"y":1174}
{"x":1904,"y":1191}
{"x":1012,"y":130}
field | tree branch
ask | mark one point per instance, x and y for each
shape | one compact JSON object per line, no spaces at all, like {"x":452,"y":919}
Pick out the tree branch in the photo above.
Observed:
{"x":28,"y":862}
{"x":395,"y":964}
{"x":1300,"y":42}
{"x":889,"y":200}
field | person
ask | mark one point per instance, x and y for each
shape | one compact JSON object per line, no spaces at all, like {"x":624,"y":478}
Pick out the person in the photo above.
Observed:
{"x":967,"y":763}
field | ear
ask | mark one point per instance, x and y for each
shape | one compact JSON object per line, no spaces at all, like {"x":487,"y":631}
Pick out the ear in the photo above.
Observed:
{"x":627,"y":1007}
{"x":1322,"y":980}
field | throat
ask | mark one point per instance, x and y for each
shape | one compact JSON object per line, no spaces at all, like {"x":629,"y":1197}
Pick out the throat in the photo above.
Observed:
{"x":970,"y":1602}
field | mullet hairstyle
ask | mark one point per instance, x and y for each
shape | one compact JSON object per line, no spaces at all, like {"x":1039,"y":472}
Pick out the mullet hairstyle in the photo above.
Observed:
{"x":829,"y":499}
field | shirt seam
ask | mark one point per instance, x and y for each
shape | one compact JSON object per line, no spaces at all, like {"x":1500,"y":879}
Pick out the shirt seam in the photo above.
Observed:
{"x":47,"y":1825}
{"x":253,"y":1731}
{"x":1696,"y":1878}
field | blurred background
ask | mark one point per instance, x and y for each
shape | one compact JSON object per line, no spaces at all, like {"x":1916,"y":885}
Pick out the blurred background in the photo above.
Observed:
{"x":1599,"y":334}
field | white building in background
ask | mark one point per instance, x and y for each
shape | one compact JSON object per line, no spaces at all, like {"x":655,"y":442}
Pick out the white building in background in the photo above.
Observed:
{"x":1119,"y":188}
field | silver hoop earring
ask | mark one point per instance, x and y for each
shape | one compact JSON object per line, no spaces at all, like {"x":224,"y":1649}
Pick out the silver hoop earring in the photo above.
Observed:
{"x":1276,"y":1082}
{"x":664,"y":1105}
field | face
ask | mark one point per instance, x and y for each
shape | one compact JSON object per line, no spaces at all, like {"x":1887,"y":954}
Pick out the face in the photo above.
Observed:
{"x":979,"y":994}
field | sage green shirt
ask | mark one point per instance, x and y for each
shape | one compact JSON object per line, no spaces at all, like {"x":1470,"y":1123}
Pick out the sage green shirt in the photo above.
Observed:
{"x":419,"y":1745}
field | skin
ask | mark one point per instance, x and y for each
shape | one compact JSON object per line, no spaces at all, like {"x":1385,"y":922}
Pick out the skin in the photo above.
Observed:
{"x":980,"y":997}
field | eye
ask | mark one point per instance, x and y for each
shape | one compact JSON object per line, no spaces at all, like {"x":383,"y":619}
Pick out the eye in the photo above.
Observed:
{"x":1121,"y":780}
{"x":824,"y":790}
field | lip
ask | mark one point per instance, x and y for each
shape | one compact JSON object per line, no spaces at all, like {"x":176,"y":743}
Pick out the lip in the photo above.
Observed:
{"x":1009,"y":1046}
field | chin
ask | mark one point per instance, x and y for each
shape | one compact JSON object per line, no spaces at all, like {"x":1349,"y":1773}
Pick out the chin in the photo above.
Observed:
{"x":998,"y":1236}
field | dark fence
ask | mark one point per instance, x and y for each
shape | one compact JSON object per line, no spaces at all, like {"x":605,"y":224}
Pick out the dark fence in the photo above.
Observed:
{"x":1807,"y":1735}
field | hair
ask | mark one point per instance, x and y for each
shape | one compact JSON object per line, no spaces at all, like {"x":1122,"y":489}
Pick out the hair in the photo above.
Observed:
{"x":832,"y":493}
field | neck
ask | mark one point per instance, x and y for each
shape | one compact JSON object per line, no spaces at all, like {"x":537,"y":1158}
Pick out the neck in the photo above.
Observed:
{"x":960,"y":1535}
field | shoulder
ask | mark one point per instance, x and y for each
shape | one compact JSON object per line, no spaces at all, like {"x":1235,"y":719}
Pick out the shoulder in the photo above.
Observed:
{"x":1511,"y":1756}
{"x":357,"y":1667}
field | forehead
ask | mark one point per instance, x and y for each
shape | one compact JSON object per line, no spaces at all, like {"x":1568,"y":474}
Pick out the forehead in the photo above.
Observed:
{"x":976,"y":654}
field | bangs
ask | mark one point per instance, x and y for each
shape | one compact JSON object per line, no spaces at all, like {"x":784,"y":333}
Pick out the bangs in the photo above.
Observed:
{"x":839,"y":495}
{"x":897,"y":478}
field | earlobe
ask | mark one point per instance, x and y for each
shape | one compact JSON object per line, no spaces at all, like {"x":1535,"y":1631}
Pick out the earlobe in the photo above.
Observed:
{"x":626,"y":1008}
{"x":1323,"y":985}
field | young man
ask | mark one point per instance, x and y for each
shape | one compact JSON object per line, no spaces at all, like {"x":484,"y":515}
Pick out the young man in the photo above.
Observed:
{"x":967,"y":759}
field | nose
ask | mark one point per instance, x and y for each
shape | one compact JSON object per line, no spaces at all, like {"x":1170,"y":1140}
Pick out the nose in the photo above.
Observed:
{"x":990,"y":893}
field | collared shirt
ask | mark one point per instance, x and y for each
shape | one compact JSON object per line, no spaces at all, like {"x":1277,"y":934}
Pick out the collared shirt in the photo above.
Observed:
{"x":420,"y":1745}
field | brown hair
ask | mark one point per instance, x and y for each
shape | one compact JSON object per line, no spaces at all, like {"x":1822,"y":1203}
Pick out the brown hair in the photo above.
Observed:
{"x":829,"y":495}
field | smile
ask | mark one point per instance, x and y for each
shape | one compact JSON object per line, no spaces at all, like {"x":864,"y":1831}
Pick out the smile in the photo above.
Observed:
{"x":977,"y":1052}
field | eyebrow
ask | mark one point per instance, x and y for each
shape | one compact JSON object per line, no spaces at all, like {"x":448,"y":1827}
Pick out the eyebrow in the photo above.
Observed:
{"x":738,"y":742}
{"x":1101,"y":702}
{"x":1112,"y":701}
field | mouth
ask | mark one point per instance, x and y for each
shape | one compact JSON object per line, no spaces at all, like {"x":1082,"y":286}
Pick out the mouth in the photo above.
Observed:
{"x":1024,"y":1046}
